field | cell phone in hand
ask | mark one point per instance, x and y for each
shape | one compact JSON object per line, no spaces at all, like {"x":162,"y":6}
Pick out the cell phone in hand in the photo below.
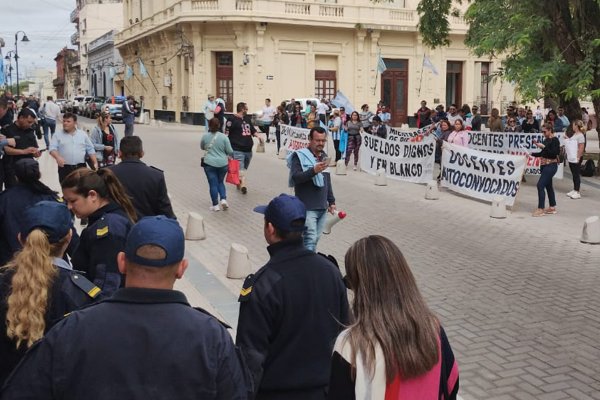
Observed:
{"x":42,"y":150}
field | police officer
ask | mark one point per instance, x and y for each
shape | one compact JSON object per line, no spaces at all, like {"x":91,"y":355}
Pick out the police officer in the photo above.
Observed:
{"x":291,"y":310}
{"x":25,"y":143}
{"x":145,"y":342}
{"x":100,"y":197}
{"x":38,"y":287}
{"x":145,"y":185}
{"x":14,"y":201}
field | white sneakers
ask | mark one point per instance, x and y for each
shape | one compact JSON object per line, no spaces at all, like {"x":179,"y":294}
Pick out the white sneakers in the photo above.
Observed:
{"x":222,"y":206}
{"x":574,"y":195}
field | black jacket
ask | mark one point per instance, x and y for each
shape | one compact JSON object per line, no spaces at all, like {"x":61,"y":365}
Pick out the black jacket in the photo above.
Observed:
{"x":240,"y":132}
{"x":139,"y":344}
{"x":313,"y":197}
{"x":146,"y":186}
{"x":291,"y":312}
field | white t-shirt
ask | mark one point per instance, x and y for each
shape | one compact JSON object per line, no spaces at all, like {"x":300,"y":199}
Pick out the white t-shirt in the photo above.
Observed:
{"x":322,"y":108}
{"x":571,"y":146}
{"x":268,"y":113}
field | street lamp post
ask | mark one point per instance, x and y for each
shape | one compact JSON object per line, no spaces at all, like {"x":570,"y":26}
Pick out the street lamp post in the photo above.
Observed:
{"x":24,"y":39}
{"x":8,"y":57}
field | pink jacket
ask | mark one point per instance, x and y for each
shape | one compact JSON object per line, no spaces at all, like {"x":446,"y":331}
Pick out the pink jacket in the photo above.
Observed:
{"x":459,"y":138}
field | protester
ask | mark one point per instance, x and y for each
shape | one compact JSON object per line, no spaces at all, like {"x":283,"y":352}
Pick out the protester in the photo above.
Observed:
{"x":281,"y":118}
{"x":564,"y":119}
{"x":467,"y":116}
{"x":557,"y":123}
{"x":378,"y":129}
{"x":268,"y":114}
{"x":444,"y":132}
{"x":220,"y":112}
{"x":423,"y":115}
{"x":548,"y":167}
{"x":312,"y":118}
{"x":530,"y":124}
{"x":145,"y":342}
{"x":70,"y":146}
{"x":512,"y":125}
{"x":476,"y":120}
{"x":240,"y":131}
{"x":440,"y":114}
{"x":386,"y":117}
{"x":494,"y":121}
{"x":453,"y":114}
{"x":291,"y":310}
{"x":366,"y":117}
{"x":50,"y":112}
{"x":215,"y":160}
{"x":354,"y":127}
{"x":38,"y":287}
{"x":209,"y":110}
{"x":105,"y":139}
{"x":312,"y":185}
{"x":26,"y":145}
{"x":100,"y":197}
{"x":144,"y":184}
{"x":335,"y":127}
{"x":459,"y":135}
{"x":296,"y":118}
{"x":575,"y":159}
{"x":396,"y":348}
{"x":323,"y":109}
{"x":128,"y":112}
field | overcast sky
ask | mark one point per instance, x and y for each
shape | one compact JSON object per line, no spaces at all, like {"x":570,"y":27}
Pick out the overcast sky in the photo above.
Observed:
{"x":47,"y":25}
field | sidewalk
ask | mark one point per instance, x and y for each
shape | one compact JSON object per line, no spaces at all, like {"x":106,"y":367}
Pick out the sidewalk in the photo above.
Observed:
{"x":519,"y":297}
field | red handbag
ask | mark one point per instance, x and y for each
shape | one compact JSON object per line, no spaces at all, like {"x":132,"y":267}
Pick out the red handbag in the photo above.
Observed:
{"x":233,"y":172}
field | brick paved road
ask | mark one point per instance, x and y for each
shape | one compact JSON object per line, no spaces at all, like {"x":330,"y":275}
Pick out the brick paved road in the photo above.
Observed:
{"x":519,"y":297}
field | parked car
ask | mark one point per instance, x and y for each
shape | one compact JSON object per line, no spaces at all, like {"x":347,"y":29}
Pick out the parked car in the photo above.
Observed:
{"x":62,"y":103}
{"x":83,"y":104}
{"x":73,"y":105}
{"x":93,"y":107}
{"x":115,"y":109}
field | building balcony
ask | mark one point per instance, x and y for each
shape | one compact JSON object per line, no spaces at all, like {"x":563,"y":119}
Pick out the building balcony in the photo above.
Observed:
{"x":75,"y":39}
{"x":58,"y":82}
{"x":75,"y":15}
{"x":350,"y":14}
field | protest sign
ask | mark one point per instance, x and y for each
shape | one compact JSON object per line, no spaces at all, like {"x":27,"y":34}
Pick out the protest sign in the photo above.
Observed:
{"x":515,"y":143}
{"x":293,"y":138}
{"x":398,"y":135}
{"x":482,"y":175}
{"x":405,"y":161}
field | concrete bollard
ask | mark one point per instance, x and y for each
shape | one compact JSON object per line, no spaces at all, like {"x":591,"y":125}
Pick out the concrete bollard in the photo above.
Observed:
{"x":432,"y":192}
{"x":260,"y":147}
{"x":380,"y":178}
{"x":239,"y":262}
{"x":340,"y":167}
{"x":195,"y":227}
{"x":591,"y":230}
{"x":498,"y":207}
{"x":282,"y":155}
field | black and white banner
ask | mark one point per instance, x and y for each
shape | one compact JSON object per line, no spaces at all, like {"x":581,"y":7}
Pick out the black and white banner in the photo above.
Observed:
{"x":293,"y":138}
{"x":482,"y":175}
{"x":410,"y":161}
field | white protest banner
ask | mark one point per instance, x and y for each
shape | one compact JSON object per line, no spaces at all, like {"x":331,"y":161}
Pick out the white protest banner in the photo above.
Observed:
{"x":405,"y":161}
{"x":482,"y":175}
{"x":398,"y":135}
{"x":293,"y":138}
{"x":516,"y":143}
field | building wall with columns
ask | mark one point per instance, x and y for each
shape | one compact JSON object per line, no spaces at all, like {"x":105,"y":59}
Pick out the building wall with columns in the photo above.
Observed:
{"x":283,"y":49}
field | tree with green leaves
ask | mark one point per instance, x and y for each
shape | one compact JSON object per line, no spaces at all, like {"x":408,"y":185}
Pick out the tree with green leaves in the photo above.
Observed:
{"x":549,"y":48}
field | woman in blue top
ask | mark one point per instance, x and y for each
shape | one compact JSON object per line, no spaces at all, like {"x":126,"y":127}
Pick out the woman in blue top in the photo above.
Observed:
{"x":218,"y":150}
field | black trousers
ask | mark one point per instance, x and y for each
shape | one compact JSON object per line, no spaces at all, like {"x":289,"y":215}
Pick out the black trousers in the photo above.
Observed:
{"x":67,"y":169}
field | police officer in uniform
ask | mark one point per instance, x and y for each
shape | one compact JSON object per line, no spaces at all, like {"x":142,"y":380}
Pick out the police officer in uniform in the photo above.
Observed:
{"x":291,"y":310}
{"x":14,"y":201}
{"x":38,"y":287}
{"x":145,"y":185}
{"x":145,"y":342}
{"x":25,"y":143}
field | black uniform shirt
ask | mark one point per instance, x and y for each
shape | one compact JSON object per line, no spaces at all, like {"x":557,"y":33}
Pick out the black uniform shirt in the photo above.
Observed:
{"x":291,"y":312}
{"x":240,"y":131}
{"x":140,"y":344}
{"x":146,"y":186}
{"x":24,"y":138}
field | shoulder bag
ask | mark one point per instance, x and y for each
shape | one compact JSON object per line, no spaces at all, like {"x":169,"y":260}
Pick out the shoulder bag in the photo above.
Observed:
{"x":202,"y":163}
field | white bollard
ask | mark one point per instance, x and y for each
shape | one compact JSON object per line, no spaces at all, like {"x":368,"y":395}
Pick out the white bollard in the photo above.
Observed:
{"x":239,"y":262}
{"x":195,"y":227}
{"x":380,"y":178}
{"x":498,"y":207}
{"x":340,"y":167}
{"x":282,"y":155}
{"x":591,"y":230}
{"x":432,"y":192}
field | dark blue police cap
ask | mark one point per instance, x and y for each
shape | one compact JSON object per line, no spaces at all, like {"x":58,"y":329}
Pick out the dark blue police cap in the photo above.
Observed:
{"x":158,"y":231}
{"x":283,"y":211}
{"x":52,"y":217}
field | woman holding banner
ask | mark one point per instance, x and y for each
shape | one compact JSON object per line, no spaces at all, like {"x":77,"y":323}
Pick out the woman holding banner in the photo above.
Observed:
{"x":459,"y":135}
{"x":548,"y":167}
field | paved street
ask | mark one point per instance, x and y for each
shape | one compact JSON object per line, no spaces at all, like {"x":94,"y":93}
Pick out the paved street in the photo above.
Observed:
{"x":518,"y":297}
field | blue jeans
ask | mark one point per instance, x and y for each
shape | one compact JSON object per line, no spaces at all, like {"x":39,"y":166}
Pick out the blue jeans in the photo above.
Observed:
{"x":243,"y":157}
{"x":545,"y":182}
{"x":315,"y":219}
{"x":216,"y":187}
{"x":50,"y":125}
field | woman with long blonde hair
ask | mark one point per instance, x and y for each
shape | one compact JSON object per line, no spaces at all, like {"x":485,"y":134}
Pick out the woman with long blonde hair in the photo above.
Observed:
{"x":396,"y":348}
{"x":101,"y":198}
{"x":37,"y":287}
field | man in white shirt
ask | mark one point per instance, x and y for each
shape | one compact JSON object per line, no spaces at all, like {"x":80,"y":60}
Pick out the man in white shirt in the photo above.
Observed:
{"x":322,"y":109}
{"x":268,"y":113}
{"x":50,"y":111}
{"x":209,"y":110}
{"x":453,"y":114}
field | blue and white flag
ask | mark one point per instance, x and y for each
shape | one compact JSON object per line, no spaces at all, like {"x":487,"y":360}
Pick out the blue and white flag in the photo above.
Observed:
{"x":143,"y":70}
{"x":128,"y":72}
{"x":428,"y":64}
{"x":340,"y":100}
{"x":381,"y":67}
